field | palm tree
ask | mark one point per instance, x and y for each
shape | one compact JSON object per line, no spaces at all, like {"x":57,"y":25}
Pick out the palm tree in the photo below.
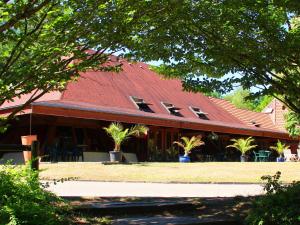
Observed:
{"x":243,"y":145}
{"x":280,"y":147}
{"x":119,"y":134}
{"x":189,"y":143}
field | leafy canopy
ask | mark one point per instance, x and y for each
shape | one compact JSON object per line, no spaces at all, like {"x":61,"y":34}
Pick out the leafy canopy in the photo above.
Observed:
{"x":241,"y":99}
{"x":119,"y":134}
{"x":189,"y":143}
{"x":243,"y":145}
{"x":258,"y":40}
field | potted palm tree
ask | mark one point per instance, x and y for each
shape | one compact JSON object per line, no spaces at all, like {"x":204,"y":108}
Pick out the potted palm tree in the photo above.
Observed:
{"x":279,"y":148}
{"x":188,"y":144}
{"x":243,"y":145}
{"x":119,"y":134}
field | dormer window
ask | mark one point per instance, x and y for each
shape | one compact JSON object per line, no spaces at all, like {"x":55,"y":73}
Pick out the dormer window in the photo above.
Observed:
{"x":199,"y":113}
{"x":141,"y":104}
{"x":173,"y":110}
{"x":255,"y":124}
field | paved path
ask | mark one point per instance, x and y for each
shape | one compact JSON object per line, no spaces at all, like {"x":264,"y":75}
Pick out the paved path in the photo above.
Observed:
{"x":123,"y":189}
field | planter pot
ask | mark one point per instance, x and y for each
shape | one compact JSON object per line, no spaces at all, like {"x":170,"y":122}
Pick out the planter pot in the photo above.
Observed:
{"x":243,"y":158}
{"x":279,"y":159}
{"x":27,"y":140}
{"x":184,"y":159}
{"x":115,"y":156}
{"x":27,"y":156}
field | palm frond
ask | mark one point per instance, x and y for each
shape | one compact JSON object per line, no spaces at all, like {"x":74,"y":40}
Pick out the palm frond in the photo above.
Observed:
{"x":243,"y":145}
{"x":189,"y":143}
{"x":179,"y":144}
{"x":280,"y":147}
{"x":138,"y":130}
{"x":119,"y":134}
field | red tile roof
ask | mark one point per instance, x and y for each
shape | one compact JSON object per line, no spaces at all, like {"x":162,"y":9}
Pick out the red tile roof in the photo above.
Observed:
{"x":114,"y":90}
{"x":110,"y":92}
{"x":249,"y":118}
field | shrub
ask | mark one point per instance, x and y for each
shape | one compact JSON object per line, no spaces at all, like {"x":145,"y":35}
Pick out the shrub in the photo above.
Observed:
{"x":280,"y":206}
{"x":24,"y":201}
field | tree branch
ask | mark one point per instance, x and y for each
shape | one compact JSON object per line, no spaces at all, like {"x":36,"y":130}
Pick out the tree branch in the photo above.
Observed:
{"x":26,"y":13}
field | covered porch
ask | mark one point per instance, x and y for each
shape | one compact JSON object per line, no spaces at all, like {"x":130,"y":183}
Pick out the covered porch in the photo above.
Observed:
{"x":81,"y":139}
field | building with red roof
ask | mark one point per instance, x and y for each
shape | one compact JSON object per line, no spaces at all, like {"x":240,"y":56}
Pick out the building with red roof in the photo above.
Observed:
{"x":137,"y":95}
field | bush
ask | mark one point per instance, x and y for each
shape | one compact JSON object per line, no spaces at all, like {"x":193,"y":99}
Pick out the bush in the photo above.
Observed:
{"x":280,"y":206}
{"x":24,"y":201}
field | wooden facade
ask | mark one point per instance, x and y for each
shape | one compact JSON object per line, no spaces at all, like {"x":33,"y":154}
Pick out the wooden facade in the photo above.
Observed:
{"x":156,"y":146}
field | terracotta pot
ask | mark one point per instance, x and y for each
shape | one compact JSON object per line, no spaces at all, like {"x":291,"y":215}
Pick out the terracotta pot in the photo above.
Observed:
{"x":27,"y":140}
{"x":27,"y":156}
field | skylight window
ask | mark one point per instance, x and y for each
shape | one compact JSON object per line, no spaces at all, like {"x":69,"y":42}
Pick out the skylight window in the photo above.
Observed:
{"x":199,"y":113}
{"x":254,"y":123}
{"x":173,"y":110}
{"x":141,"y":104}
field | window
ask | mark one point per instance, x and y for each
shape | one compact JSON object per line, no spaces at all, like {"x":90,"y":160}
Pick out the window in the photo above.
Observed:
{"x":255,"y":124}
{"x":199,"y":113}
{"x":172,"y":109}
{"x":141,"y":104}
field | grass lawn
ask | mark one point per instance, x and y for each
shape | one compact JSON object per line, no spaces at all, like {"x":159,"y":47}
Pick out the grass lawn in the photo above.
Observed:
{"x":172,"y":172}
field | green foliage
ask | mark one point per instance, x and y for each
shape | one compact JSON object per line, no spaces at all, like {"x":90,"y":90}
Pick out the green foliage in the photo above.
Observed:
{"x":214,"y":94}
{"x":280,"y":206}
{"x":189,"y":143}
{"x":242,"y":99}
{"x":24,"y":201}
{"x":119,"y":134}
{"x":280,"y":147}
{"x":239,"y":99}
{"x":263,"y":102}
{"x":254,"y":43}
{"x":243,"y":145}
{"x":273,"y":183}
{"x":292,"y":123}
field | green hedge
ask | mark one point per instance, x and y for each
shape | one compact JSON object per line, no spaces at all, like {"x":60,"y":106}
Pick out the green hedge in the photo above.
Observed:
{"x":280,"y":206}
{"x":24,"y":201}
